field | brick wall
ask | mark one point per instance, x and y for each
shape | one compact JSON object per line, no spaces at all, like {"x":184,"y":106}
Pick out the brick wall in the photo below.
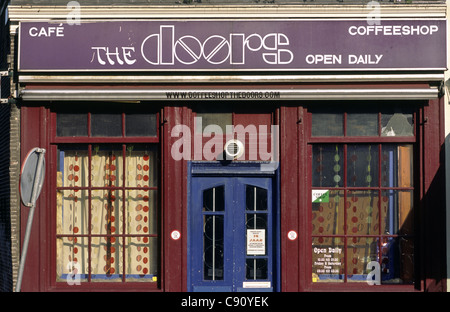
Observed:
{"x":6,"y":280}
{"x":14,"y":166}
{"x":6,"y":283}
{"x":14,"y":200}
{"x":9,"y":160}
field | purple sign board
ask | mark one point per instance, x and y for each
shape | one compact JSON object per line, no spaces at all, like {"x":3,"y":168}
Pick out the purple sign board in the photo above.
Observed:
{"x":230,"y":45}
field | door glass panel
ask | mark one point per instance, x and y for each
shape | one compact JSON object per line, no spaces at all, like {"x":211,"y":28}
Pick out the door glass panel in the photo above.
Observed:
{"x":256,"y":269}
{"x":256,"y":198}
{"x":213,"y":199}
{"x":213,"y":233}
{"x":213,"y":247}
{"x":256,"y":220}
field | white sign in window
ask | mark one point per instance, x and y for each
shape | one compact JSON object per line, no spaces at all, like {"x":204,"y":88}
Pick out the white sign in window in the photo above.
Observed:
{"x":256,"y":242}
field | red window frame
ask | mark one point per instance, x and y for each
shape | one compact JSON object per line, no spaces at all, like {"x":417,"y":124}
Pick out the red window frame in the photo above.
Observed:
{"x":345,"y":141}
{"x":89,"y":141}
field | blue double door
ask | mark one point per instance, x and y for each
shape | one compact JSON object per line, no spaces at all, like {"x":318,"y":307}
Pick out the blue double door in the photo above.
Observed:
{"x":232,"y":234}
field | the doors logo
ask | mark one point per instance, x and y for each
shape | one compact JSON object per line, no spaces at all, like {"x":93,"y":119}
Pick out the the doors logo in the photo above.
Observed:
{"x":164,"y":48}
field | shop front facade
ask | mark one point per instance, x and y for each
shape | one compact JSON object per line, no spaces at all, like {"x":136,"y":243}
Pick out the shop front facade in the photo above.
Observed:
{"x":193,"y":149}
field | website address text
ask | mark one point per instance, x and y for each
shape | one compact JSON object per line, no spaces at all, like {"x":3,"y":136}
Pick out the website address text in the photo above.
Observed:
{"x":223,"y":95}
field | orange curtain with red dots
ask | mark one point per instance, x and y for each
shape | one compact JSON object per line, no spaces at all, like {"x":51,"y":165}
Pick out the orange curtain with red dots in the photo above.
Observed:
{"x":107,"y":229}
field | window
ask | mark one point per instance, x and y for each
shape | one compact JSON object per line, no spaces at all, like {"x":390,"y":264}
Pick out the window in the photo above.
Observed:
{"x":213,"y":233}
{"x":256,"y":222}
{"x":392,"y":121}
{"x":107,"y":197}
{"x":362,"y":187}
{"x":114,"y":123}
{"x":220,"y":115}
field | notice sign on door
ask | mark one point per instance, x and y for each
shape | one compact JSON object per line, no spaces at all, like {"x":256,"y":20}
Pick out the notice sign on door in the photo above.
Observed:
{"x":256,"y":242}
